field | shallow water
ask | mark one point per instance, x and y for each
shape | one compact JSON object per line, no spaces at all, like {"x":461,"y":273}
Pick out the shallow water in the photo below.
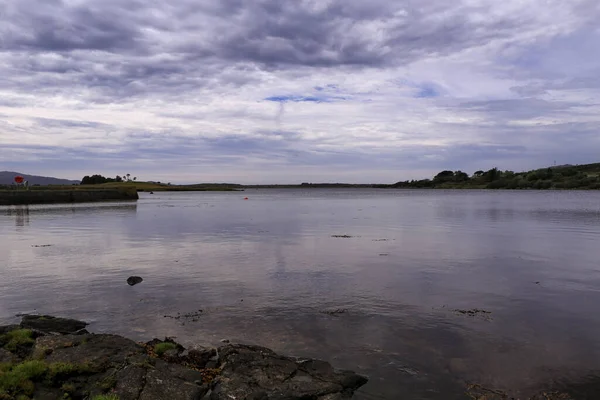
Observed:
{"x":263,"y":271}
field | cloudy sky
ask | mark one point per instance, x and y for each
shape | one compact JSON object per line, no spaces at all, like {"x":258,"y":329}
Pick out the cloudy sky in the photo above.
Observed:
{"x":273,"y":91}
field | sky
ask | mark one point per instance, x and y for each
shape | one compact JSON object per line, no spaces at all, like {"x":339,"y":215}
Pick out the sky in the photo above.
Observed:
{"x":282,"y":91}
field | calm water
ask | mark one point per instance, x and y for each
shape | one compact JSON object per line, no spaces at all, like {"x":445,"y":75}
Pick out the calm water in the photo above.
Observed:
{"x":264,"y":270}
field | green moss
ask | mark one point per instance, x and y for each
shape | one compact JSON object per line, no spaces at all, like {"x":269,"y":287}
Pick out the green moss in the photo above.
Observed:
{"x":31,"y":369}
{"x":68,"y":388}
{"x":106,"y":397}
{"x":18,"y":379}
{"x":108,"y":383}
{"x":162,"y":348}
{"x":61,"y":370}
{"x":18,"y":337}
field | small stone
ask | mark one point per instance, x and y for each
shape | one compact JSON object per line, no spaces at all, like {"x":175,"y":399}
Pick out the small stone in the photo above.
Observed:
{"x":134,"y":280}
{"x":225,"y":341}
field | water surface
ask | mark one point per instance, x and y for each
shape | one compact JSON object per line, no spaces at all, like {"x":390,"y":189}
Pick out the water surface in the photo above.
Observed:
{"x":267,"y":270}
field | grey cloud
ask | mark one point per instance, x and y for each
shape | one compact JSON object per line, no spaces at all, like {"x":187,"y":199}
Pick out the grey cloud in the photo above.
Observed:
{"x":510,"y":109}
{"x":288,"y":33}
{"x":56,"y":26}
{"x":268,"y":32}
{"x":530,"y":90}
{"x":65,"y":123}
{"x":120,"y":49}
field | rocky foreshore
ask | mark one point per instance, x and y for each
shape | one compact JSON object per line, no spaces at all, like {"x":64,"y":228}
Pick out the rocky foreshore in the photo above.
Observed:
{"x":45,"y":358}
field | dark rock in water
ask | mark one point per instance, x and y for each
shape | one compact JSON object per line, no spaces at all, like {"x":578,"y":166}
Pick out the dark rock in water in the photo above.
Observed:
{"x":49,"y":324}
{"x":472,"y":312}
{"x":134,"y":280}
{"x":337,"y":311}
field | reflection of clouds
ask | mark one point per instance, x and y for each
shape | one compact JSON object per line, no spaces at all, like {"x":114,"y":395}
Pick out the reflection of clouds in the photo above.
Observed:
{"x":69,"y":208}
{"x":21,"y":214}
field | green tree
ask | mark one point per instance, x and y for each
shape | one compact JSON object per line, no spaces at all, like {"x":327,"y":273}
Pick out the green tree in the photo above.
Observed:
{"x":460,"y":176}
{"x":492,"y":174}
{"x":444,"y":176}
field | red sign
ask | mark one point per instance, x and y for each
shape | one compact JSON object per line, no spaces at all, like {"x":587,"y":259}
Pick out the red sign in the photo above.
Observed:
{"x":19,"y":179}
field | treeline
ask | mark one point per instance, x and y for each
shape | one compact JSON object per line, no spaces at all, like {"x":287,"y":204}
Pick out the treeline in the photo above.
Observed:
{"x":561,"y":177}
{"x":99,"y":179}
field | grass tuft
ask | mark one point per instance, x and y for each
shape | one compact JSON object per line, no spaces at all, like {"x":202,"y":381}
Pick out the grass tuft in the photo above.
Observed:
{"x":18,"y":337}
{"x":17,"y":379}
{"x":106,"y":397}
{"x":162,"y":348}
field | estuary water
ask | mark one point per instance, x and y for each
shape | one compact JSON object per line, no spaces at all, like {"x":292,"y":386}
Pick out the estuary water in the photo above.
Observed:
{"x":424,"y":291}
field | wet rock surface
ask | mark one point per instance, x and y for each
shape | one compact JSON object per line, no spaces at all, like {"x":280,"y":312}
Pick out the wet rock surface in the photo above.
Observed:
{"x":252,"y":372}
{"x":49,"y":324}
{"x":134,"y":280}
{"x":62,"y":363}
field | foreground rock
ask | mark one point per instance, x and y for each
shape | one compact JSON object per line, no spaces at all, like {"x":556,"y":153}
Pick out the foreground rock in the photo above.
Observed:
{"x":54,"y":358}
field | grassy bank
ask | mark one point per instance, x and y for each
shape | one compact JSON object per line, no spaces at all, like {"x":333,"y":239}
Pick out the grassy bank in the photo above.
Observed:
{"x":141,"y":187}
{"x":57,"y":196}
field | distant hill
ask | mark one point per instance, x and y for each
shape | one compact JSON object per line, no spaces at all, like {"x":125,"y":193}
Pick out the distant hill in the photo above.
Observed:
{"x":7,"y":178}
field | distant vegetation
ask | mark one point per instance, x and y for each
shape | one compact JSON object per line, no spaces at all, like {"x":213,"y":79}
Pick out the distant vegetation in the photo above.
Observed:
{"x":585,"y":176}
{"x":560,"y":177}
{"x":99,"y":179}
